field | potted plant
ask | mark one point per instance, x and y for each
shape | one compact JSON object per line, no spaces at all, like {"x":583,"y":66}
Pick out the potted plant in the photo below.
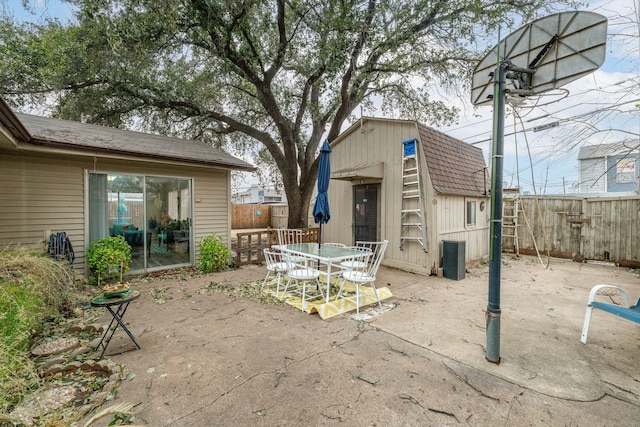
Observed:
{"x":108,"y":256}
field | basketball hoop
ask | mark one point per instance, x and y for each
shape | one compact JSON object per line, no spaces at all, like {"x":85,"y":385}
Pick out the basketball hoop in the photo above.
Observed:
{"x":541,"y":56}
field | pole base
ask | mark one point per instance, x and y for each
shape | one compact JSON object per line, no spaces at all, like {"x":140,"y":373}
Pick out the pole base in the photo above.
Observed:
{"x":493,"y":336}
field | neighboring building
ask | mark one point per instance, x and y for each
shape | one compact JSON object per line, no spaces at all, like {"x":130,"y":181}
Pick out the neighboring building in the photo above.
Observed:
{"x":609,"y":168}
{"x":366,"y":190}
{"x":162,"y":194}
{"x":257,"y":194}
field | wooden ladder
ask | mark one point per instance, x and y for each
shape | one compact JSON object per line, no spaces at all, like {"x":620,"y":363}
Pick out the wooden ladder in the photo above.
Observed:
{"x":412,"y":221}
{"x":510,"y":220}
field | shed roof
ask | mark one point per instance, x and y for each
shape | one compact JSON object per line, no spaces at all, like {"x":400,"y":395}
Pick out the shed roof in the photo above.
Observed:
{"x":455,"y":167}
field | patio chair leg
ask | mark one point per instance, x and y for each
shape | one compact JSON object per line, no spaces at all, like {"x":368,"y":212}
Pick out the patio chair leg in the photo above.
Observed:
{"x":585,"y":327}
{"x":304,"y":300}
{"x":265,"y":280}
{"x":375,"y":291}
{"x":284,"y":291}
{"x":340,"y":289}
{"x":278,"y":281}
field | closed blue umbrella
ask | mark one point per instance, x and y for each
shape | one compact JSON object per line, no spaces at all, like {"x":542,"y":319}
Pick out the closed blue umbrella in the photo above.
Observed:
{"x":321,"y":213}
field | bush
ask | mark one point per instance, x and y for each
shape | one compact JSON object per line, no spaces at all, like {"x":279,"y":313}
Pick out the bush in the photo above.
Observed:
{"x":214,"y":255}
{"x":33,"y":288}
{"x":109,"y":257}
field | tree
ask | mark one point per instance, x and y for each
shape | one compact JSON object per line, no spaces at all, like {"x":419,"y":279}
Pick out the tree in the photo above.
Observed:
{"x":285,"y":73}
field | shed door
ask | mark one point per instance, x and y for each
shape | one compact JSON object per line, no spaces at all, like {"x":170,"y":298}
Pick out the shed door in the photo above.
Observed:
{"x":365,"y":212}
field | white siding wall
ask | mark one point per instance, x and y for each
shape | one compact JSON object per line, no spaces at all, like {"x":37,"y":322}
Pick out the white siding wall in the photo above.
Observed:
{"x":593,"y":178}
{"x":46,"y":192}
{"x":451,"y":225}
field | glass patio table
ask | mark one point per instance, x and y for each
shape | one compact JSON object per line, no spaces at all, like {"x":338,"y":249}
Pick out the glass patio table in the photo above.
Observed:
{"x":330,"y":256}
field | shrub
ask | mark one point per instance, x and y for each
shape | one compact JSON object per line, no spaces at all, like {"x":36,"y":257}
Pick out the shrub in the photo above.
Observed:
{"x":108,"y":257}
{"x":33,"y":288}
{"x":214,"y":255}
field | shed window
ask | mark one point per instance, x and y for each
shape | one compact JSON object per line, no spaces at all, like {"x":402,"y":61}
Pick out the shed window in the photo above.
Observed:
{"x":471,"y":213}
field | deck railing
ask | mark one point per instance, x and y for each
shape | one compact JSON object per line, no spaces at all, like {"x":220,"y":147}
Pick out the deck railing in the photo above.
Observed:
{"x":248,"y":245}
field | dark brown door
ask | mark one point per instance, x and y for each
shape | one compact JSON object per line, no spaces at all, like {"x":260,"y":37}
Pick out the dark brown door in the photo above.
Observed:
{"x":365,"y":212}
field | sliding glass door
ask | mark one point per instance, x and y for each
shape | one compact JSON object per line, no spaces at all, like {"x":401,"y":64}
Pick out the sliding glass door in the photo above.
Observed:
{"x":168,"y":206}
{"x":153,"y":214}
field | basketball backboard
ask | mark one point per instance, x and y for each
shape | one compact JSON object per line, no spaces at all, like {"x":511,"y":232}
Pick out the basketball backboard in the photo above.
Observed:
{"x":559,"y":48}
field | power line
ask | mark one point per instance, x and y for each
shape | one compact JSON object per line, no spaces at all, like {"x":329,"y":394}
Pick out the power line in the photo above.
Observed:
{"x":550,"y":114}
{"x":557,"y":122}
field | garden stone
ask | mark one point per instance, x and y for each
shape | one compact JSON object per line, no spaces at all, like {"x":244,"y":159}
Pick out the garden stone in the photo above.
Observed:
{"x":95,"y":342}
{"x":51,"y":361}
{"x":44,"y":402}
{"x":78,"y":351}
{"x":55,"y":347}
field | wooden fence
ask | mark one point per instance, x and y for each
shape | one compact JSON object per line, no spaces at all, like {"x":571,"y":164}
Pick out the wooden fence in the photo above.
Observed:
{"x":280,"y":216}
{"x":248,"y":245}
{"x":250,"y":216}
{"x":580,"y":228}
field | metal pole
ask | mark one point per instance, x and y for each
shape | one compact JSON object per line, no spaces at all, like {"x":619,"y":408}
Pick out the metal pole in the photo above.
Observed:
{"x":495,"y":252}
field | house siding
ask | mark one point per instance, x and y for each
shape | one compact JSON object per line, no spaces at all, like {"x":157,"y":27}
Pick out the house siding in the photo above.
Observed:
{"x":592,"y":176}
{"x":212,"y":207}
{"x":41,"y":194}
{"x":46,"y":192}
{"x":374,"y":141}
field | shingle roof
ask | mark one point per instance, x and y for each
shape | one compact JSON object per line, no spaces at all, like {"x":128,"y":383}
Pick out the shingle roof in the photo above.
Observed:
{"x":84,"y":136}
{"x":455,"y":167}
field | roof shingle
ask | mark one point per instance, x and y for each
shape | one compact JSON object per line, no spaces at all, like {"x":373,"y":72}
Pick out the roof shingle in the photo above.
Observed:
{"x":83,"y":136}
{"x":455,"y":167}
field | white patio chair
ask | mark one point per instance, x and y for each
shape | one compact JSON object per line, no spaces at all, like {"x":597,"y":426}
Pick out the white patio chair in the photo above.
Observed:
{"x":362,"y":246}
{"x":276,"y":268}
{"x":304,"y":278}
{"x":290,"y":236}
{"x":335,"y":245}
{"x":364,"y":268}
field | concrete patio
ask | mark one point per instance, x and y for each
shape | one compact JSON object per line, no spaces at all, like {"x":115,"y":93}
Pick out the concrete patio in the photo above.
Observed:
{"x":208,"y":359}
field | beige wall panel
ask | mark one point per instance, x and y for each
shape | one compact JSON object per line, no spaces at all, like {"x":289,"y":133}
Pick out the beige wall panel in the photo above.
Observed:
{"x":47,"y":193}
{"x":375,"y":142}
{"x":41,"y":194}
{"x":379,"y":141}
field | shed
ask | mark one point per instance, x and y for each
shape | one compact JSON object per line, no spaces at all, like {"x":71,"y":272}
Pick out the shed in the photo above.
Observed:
{"x":367,"y":187}
{"x":162,"y":194}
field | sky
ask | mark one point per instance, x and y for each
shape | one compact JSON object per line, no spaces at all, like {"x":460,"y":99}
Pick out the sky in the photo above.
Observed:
{"x":595,"y":109}
{"x":37,"y":10}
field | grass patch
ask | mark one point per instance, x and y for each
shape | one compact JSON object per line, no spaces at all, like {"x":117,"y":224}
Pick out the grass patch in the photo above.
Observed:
{"x":33,"y":289}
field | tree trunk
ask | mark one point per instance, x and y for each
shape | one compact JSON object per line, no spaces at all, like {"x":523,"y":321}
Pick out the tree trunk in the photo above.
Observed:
{"x":299,"y":201}
{"x":297,"y":215}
